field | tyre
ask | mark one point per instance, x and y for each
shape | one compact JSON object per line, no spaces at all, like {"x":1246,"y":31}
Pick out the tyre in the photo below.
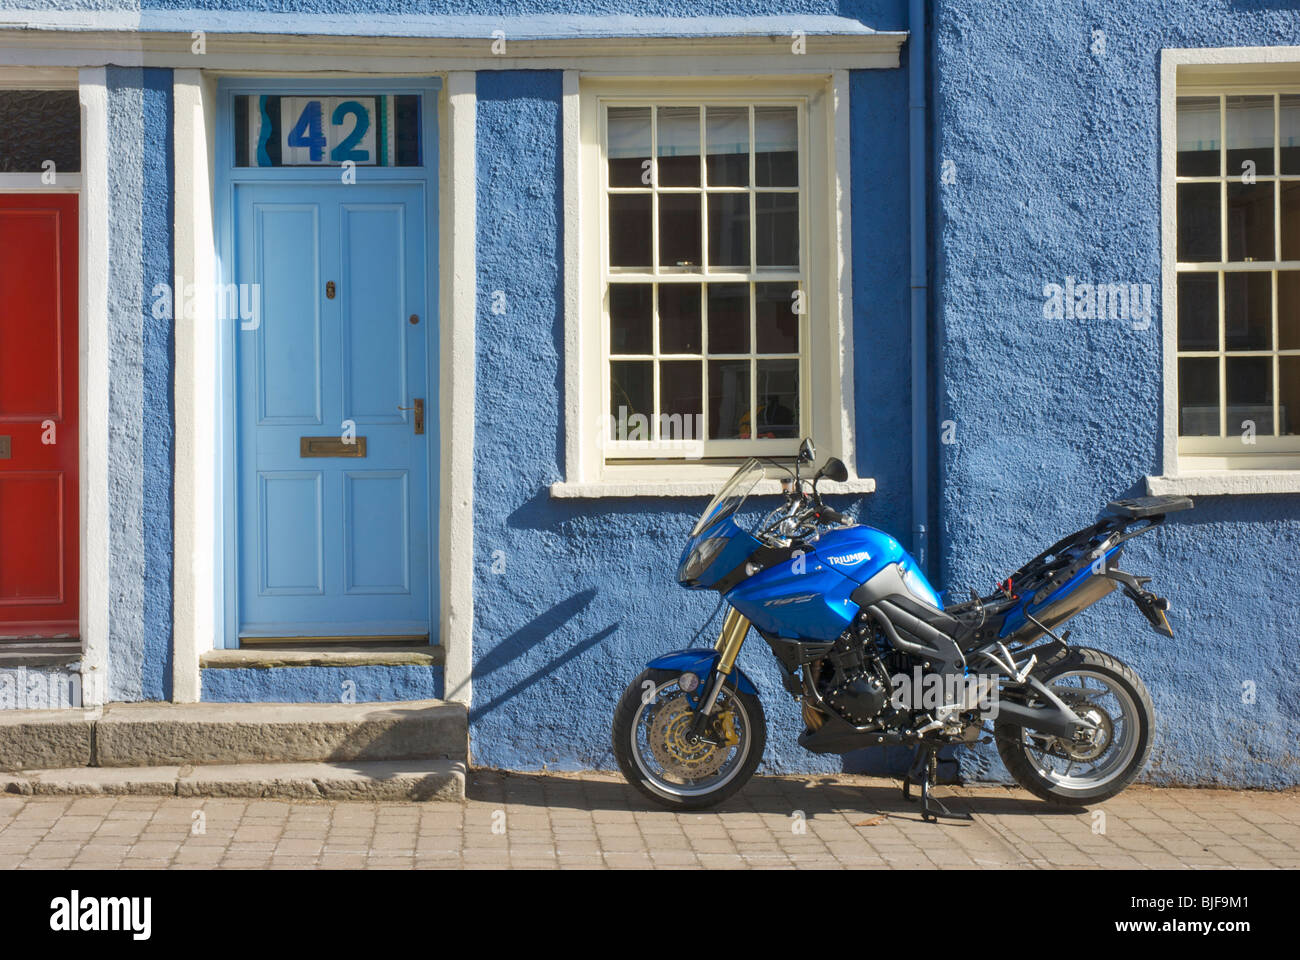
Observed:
{"x":650,"y":745}
{"x":1104,"y":689}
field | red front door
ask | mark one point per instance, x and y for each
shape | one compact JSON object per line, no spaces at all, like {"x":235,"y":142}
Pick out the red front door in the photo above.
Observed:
{"x":39,"y":543}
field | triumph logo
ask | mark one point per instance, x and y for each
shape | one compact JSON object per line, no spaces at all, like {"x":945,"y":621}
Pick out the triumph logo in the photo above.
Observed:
{"x":849,"y":559}
{"x":75,"y":913}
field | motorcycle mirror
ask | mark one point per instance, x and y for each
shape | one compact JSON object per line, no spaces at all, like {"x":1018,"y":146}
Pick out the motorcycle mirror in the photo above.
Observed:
{"x":807,"y":453}
{"x":834,"y":469}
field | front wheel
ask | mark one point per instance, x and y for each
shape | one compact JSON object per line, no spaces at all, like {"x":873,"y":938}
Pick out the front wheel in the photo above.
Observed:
{"x":652,"y":747}
{"x":1099,"y":688}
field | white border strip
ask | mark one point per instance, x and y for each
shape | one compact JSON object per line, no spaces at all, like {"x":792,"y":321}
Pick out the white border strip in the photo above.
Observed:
{"x":458,"y":233}
{"x":94,"y":376}
{"x":194,"y":520}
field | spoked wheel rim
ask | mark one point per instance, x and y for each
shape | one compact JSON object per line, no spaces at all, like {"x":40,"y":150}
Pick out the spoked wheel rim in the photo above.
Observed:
{"x":1107,"y":753}
{"x":674,"y":767}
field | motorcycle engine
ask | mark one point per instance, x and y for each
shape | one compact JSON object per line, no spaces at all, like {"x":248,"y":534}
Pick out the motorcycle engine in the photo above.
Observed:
{"x":858,"y":687}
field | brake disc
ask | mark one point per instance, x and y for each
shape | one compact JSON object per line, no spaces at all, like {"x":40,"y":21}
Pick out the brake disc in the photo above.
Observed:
{"x":667,"y":736}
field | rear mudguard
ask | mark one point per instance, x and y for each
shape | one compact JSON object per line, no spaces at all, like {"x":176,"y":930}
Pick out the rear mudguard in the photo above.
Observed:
{"x":702,"y":663}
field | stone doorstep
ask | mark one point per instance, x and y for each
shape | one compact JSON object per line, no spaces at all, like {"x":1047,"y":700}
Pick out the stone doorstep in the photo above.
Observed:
{"x":168,"y":734}
{"x":363,"y":780}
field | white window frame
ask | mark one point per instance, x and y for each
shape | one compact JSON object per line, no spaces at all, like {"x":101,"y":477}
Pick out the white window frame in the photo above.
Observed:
{"x":1215,"y":465}
{"x":826,"y":375}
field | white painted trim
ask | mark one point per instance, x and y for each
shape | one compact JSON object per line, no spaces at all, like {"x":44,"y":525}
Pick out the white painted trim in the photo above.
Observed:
{"x":1226,"y":482}
{"x":93,"y":367}
{"x":1200,"y":66}
{"x":194,"y":574}
{"x":841,"y":156}
{"x":38,"y":78}
{"x":571,"y":119}
{"x":32,"y":183}
{"x":459,"y":270}
{"x":688,"y":488}
{"x":381,"y":43}
{"x":1168,"y":255}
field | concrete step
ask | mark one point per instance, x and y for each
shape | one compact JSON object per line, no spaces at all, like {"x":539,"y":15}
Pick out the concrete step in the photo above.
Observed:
{"x":168,"y":734}
{"x":420,"y":780}
{"x":160,"y":734}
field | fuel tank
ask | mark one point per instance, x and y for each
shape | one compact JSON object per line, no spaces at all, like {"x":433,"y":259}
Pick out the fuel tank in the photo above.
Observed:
{"x":808,"y":596}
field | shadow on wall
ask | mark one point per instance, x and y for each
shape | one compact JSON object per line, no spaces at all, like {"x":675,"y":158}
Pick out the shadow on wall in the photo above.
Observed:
{"x":528,"y":638}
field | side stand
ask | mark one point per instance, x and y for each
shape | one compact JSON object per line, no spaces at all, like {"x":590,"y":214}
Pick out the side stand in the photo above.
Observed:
{"x":924,"y":771}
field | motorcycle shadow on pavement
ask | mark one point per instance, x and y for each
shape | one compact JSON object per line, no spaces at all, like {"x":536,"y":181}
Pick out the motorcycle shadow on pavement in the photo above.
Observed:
{"x":861,"y":798}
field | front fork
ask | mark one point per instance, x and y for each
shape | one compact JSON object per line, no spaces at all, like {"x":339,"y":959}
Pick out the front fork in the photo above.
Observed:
{"x":734,"y":630}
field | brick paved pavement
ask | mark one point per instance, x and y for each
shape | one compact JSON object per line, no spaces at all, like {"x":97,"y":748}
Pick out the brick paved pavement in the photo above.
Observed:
{"x":595,"y":820}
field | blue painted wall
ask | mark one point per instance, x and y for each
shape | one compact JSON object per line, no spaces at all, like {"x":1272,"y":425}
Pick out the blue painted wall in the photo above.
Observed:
{"x":141,"y":419}
{"x":362,"y":684}
{"x":1056,"y":154}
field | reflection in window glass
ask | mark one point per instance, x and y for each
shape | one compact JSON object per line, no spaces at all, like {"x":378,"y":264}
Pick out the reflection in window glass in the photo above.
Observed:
{"x":729,"y":230}
{"x":1198,"y":397}
{"x":1250,"y":395}
{"x":1288,"y":414}
{"x":728,"y":318}
{"x":631,"y":320}
{"x":1198,"y":222}
{"x":628,"y":146}
{"x":1198,"y":136}
{"x":727,"y":133}
{"x":679,"y":318}
{"x":679,"y":146}
{"x":1250,"y":135}
{"x":778,"y":398}
{"x":777,"y":230}
{"x":1248,"y":311}
{"x":776,"y":322}
{"x":679,"y":230}
{"x":776,"y":146}
{"x":728,"y":400}
{"x":1198,"y":311}
{"x":1289,"y":132}
{"x":1250,"y":221}
{"x":629,"y":230}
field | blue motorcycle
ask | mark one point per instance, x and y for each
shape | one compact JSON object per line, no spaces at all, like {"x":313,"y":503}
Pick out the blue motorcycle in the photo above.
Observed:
{"x":873,"y":656}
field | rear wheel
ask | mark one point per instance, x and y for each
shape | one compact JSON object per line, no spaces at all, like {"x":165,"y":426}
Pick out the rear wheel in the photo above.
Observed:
{"x":1100,"y":688}
{"x":652,"y":747}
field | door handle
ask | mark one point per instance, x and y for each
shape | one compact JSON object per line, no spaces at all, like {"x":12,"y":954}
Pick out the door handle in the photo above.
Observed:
{"x":419,"y":413}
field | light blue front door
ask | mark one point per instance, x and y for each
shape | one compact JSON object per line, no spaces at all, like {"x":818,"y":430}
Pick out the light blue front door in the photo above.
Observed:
{"x":333,"y":543}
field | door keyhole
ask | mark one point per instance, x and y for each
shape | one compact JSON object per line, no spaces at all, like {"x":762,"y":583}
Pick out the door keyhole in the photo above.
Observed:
{"x":329,"y":290}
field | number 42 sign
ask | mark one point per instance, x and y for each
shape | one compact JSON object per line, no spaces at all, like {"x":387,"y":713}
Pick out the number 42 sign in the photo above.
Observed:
{"x":328,"y":130}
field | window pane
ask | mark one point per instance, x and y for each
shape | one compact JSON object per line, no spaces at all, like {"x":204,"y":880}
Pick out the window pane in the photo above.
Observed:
{"x":679,"y":230}
{"x":631,"y":392}
{"x":1288,"y":310}
{"x":729,"y":230}
{"x":40,"y":125}
{"x":776,"y":323}
{"x":1198,"y":397}
{"x":630,"y":319}
{"x":1288,"y":396}
{"x":629,"y":230}
{"x":628,"y":146}
{"x":1250,"y":134}
{"x":729,"y":399}
{"x":1250,"y":221}
{"x":1290,"y":220}
{"x":727,"y":131}
{"x":728,"y":318}
{"x":1198,"y":311}
{"x":778,"y":398}
{"x":680,"y":387}
{"x":1250,"y":395}
{"x":1289,"y":132}
{"x":1198,"y":222}
{"x":1198,"y":136}
{"x":778,"y":230}
{"x":776,"y":146}
{"x":1248,"y":311}
{"x":679,"y":318}
{"x":679,"y":146}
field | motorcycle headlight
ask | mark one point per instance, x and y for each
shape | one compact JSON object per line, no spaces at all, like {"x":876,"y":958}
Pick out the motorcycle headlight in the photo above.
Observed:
{"x":700,"y":559}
